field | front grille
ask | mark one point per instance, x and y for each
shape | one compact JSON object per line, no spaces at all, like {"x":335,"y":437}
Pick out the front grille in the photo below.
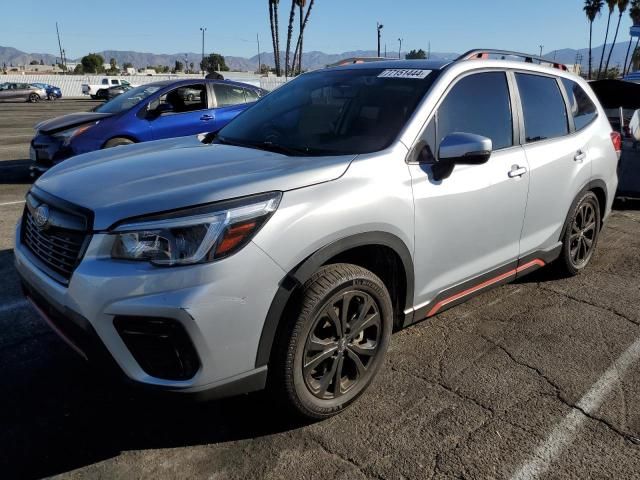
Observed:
{"x":58,"y":248}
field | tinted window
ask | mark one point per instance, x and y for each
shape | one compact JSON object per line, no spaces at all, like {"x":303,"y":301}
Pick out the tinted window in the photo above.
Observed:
{"x":329,"y":112}
{"x":478,"y":104}
{"x":545,"y":114}
{"x":582,"y":108}
{"x":228,"y":94}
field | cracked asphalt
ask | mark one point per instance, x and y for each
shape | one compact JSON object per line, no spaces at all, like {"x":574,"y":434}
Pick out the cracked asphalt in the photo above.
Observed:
{"x":536,"y":379}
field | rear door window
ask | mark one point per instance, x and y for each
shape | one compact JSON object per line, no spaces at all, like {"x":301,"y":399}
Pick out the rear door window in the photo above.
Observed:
{"x":545,"y":113}
{"x":227,"y":95}
{"x":582,"y":108}
{"x":251,"y":95}
{"x":479,"y":104}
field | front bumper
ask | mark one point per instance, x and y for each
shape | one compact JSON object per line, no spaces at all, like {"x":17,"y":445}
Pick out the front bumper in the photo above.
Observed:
{"x":45,"y":151}
{"x":222,"y":306}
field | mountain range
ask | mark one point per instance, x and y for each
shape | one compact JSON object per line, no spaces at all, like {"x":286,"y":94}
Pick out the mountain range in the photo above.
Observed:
{"x":311,"y":60}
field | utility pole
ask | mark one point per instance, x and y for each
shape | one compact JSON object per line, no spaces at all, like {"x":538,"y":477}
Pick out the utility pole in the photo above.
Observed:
{"x":60,"y":46}
{"x":541,"y":47}
{"x":64,"y":58}
{"x":379,"y":28}
{"x":399,"y":47}
{"x":259,"y":61}
{"x":202,"y":29}
{"x":429,"y":50}
{"x":385,"y":49}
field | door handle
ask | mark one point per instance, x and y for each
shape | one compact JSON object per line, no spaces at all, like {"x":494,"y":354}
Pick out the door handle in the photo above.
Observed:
{"x":580,"y":156}
{"x":517,"y":171}
{"x":206,"y":117}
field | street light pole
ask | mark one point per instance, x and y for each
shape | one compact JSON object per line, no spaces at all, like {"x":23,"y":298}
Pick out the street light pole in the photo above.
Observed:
{"x":202,"y":29}
{"x":379,"y":28}
{"x":399,"y":47}
{"x":541,"y":47}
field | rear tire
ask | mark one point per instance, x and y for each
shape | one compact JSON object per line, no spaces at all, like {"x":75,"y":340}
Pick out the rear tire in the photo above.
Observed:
{"x":333,"y":345}
{"x":581,"y":235}
{"x":34,"y":98}
{"x":116,"y":142}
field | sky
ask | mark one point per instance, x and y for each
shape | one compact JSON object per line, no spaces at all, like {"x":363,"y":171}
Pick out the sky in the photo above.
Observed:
{"x":335,"y":26}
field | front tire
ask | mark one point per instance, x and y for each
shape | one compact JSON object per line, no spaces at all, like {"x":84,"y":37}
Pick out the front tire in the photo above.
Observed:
{"x":334,"y":344}
{"x":581,"y":235}
{"x":34,"y":98}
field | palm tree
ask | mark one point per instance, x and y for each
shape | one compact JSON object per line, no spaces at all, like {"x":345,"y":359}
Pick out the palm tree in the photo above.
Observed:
{"x":622,"y":7}
{"x":273,"y":19}
{"x":298,"y":51}
{"x":634,"y":13}
{"x":592,"y":9}
{"x":292,"y":14}
{"x":301,"y":4}
{"x":612,"y":5}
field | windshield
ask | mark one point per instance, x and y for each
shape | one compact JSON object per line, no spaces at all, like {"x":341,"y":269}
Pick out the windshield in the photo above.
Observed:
{"x":335,"y":112}
{"x":128,"y":99}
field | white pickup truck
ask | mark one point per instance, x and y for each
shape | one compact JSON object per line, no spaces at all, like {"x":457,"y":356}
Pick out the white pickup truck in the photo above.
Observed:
{"x":105,"y":82}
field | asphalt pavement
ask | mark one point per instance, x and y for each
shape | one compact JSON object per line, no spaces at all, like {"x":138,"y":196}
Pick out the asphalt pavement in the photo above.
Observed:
{"x":536,"y":379}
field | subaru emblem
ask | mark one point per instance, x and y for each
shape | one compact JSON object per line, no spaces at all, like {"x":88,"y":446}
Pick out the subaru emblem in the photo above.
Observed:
{"x":41,"y":216}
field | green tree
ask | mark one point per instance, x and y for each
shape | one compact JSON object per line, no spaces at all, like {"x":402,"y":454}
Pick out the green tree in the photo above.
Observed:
{"x":179,"y":66}
{"x":79,"y":69}
{"x":622,"y":7}
{"x":34,"y":62}
{"x":416,"y":55}
{"x":92,"y":63}
{"x":127,"y":65}
{"x":592,"y":9}
{"x":214,"y":63}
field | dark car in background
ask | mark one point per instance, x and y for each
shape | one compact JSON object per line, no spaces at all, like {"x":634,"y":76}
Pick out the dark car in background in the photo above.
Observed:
{"x":53,"y":92}
{"x":25,"y":92}
{"x":112,"y":92}
{"x":149,"y":112}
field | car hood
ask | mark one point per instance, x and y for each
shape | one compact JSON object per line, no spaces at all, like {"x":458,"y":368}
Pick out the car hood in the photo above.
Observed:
{"x":70,"y":120}
{"x":151,"y":177}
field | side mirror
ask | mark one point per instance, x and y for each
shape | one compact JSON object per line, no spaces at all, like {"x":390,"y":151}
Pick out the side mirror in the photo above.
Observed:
{"x":461,"y":148}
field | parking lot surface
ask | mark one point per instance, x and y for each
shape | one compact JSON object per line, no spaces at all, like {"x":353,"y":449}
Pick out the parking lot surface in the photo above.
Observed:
{"x":537,"y":379}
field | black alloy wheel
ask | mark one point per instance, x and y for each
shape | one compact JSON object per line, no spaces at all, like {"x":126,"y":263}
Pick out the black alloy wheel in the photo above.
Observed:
{"x":332,"y":342}
{"x":342,"y":344}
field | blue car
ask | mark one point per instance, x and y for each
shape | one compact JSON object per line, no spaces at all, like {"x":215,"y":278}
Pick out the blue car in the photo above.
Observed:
{"x":149,"y":112}
{"x":53,"y":92}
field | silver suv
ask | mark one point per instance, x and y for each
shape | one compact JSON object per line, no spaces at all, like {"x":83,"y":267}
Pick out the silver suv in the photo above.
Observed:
{"x":283,"y":250}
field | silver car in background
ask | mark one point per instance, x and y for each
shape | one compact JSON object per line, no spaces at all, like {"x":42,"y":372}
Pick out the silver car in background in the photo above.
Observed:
{"x":15,"y":92}
{"x":283,"y":250}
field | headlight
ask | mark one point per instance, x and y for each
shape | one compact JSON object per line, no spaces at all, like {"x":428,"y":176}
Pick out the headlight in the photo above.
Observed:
{"x":67,"y":135}
{"x":198,"y":235}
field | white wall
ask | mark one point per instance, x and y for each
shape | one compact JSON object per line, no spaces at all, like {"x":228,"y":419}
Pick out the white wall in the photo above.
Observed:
{"x":71,"y":85}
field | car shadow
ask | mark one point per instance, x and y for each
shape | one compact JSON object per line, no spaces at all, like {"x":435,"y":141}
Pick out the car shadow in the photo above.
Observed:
{"x":59,"y":413}
{"x":15,"y":171}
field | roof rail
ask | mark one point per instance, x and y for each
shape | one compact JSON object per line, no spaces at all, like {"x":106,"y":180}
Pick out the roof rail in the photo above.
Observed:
{"x":480,"y":53}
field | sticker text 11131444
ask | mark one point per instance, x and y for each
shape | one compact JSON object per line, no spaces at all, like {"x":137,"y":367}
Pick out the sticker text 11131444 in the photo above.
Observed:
{"x":416,"y":73}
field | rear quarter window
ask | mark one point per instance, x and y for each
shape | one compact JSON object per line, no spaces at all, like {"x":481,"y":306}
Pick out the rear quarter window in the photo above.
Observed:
{"x":583,"y":109}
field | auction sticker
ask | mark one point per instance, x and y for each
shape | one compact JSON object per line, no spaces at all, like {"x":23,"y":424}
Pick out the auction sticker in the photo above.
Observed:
{"x":404,"y":73}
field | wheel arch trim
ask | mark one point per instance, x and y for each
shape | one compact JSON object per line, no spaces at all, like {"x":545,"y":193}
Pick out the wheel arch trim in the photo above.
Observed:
{"x":305,"y":269}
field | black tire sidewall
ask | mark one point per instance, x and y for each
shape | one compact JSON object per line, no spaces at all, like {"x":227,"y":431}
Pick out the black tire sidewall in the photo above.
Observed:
{"x":567,"y":263}
{"x":355,"y":278}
